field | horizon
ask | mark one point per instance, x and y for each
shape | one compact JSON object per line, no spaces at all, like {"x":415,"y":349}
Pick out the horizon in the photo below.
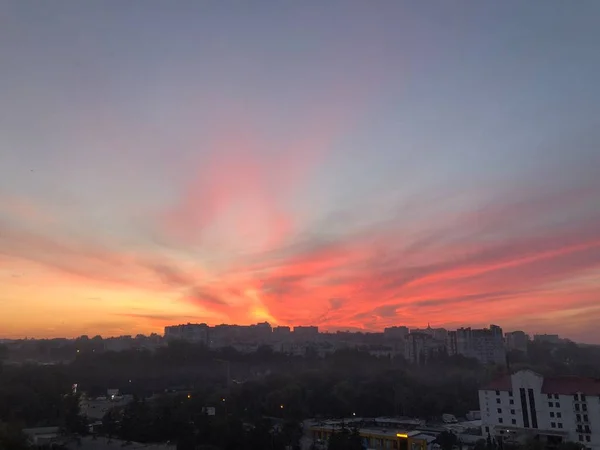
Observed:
{"x":348,"y":165}
{"x":530,"y":334}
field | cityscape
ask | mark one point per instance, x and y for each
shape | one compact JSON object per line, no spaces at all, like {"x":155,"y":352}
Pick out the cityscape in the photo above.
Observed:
{"x":300,"y":225}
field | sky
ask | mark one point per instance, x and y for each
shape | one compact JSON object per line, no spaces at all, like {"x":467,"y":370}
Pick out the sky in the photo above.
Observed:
{"x":347,"y":164}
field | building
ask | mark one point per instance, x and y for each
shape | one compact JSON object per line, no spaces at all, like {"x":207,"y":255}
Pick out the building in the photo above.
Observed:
{"x":191,"y":332}
{"x":420,"y":347}
{"x":486,"y":345}
{"x":395,"y":333}
{"x":547,"y":338}
{"x":282,"y":333}
{"x":555,"y":409}
{"x":440,"y":334}
{"x":309,"y":333}
{"x":517,"y":340}
{"x":378,"y":438}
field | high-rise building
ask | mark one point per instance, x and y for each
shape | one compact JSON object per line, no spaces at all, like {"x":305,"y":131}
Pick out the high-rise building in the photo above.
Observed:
{"x":395,"y":333}
{"x":486,"y":345}
{"x":191,"y":332}
{"x":526,"y":405}
{"x":517,"y":340}
{"x":306,"y":333}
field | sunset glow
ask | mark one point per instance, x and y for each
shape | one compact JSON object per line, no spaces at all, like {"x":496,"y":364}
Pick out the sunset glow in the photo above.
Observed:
{"x":192,"y":165}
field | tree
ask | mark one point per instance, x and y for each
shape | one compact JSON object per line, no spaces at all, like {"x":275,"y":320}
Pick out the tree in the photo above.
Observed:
{"x":12,"y":438}
{"x":345,"y":440}
{"x":446,"y":440}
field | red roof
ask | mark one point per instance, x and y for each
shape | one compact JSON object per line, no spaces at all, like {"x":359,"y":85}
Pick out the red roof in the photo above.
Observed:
{"x":571,"y":385}
{"x":499,"y":384}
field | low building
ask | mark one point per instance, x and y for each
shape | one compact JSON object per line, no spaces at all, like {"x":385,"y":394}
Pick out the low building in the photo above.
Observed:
{"x":42,"y":436}
{"x":554,"y":409}
{"x":379,"y":438}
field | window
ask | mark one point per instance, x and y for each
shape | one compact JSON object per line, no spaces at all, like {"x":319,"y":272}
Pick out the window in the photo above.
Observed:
{"x":587,"y":429}
{"x":551,"y":414}
{"x":576,"y":397}
{"x":559,"y":415}
{"x":556,"y":396}
{"x":584,"y":407}
{"x":512,"y":411}
{"x":487,"y":429}
{"x":557,"y":405}
{"x":585,"y":418}
{"x":550,"y":404}
{"x":500,"y":420}
{"x":582,"y":396}
{"x":497,"y":392}
{"x":499,"y":410}
{"x":559,"y":424}
{"x":511,"y":401}
{"x":587,"y":439}
{"x":498,"y":400}
{"x":510,"y":393}
{"x":550,"y":396}
{"x":581,"y":437}
{"x":553,"y":424}
{"x":514,"y":421}
{"x":576,"y":407}
{"x":578,"y":417}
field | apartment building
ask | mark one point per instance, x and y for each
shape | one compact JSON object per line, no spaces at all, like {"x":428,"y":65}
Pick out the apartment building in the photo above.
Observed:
{"x":486,"y":344}
{"x":555,"y":409}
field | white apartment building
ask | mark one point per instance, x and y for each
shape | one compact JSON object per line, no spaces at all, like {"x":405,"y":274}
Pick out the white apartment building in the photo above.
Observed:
{"x":557,"y":409}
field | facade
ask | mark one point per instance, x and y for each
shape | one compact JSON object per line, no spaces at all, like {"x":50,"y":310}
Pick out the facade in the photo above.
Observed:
{"x":420,"y":347}
{"x":395,"y":333}
{"x":557,"y":409}
{"x":486,"y":345}
{"x":517,"y":340}
{"x":191,"y":332}
{"x":309,"y":333}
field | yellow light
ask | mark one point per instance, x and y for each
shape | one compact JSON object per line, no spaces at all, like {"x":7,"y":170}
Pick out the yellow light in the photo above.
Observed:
{"x":281,"y":406}
{"x":189,"y":395}
{"x":402,"y":435}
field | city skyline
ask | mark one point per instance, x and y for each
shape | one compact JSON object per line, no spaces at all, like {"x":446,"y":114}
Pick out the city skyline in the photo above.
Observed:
{"x":350,"y":166}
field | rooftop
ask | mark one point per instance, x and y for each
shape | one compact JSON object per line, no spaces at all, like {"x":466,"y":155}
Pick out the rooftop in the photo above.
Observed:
{"x":552,"y":385}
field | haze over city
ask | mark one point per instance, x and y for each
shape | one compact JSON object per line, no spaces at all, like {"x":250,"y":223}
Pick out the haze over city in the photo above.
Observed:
{"x":346,"y":166}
